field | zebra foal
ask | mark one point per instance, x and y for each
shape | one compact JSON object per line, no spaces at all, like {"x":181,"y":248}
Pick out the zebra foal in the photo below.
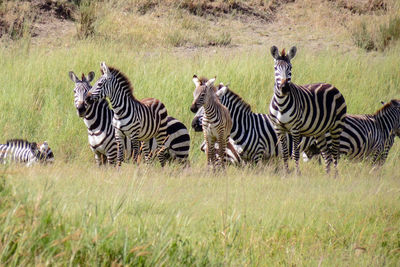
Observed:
{"x":311,"y":110}
{"x":22,"y":151}
{"x":217,"y":122}
{"x":136,"y":120}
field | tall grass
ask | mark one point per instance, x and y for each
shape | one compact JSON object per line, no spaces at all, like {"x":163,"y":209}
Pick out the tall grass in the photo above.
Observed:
{"x":72,"y":213}
{"x":37,"y":99}
{"x":62,"y":214}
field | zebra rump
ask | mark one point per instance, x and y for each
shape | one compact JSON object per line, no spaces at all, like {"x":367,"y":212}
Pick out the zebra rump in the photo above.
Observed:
{"x":22,"y":151}
{"x":177,"y":144}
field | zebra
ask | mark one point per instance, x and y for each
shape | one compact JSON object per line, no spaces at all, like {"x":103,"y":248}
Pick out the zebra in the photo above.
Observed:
{"x":217,"y":122}
{"x":253,"y":133}
{"x":22,"y":151}
{"x":98,"y":120}
{"x":134,"y":119}
{"x":368,"y":136}
{"x":178,"y":141}
{"x":310,"y":110}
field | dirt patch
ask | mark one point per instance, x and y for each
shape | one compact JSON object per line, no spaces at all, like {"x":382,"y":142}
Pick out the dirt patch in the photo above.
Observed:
{"x":24,"y":17}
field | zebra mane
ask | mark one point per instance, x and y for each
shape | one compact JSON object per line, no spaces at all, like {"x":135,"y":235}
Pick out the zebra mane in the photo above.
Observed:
{"x":20,"y":142}
{"x":240,"y":100}
{"x":119,"y":75}
{"x":386,"y":106}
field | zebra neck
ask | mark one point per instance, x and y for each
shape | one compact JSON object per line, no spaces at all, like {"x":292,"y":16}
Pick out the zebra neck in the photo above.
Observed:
{"x":97,"y":113}
{"x":209,"y":108}
{"x":387,"y":120}
{"x":280,"y":98}
{"x":120,"y":100}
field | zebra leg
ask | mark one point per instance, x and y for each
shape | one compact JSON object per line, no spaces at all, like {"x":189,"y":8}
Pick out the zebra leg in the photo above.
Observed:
{"x":326,"y":153}
{"x":110,"y":158}
{"x":135,"y":150}
{"x":210,"y":150}
{"x":335,"y":150}
{"x":146,"y":151}
{"x":282,"y":139}
{"x":120,"y":140}
{"x":296,"y":151}
{"x":97,"y":158}
{"x":222,"y":141}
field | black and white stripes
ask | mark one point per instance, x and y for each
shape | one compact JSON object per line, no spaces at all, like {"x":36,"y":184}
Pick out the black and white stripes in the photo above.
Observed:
{"x":370,"y":136}
{"x":22,"y":151}
{"x":311,"y":110}
{"x":253,"y":133}
{"x":134,"y":119}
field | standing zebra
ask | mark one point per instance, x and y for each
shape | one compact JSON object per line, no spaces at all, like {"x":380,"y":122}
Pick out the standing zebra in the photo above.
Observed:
{"x":98,"y":120}
{"x":369,"y":136}
{"x":22,"y":151}
{"x":217,"y":122}
{"x":253,"y":133}
{"x":311,"y":110}
{"x":134,"y":119}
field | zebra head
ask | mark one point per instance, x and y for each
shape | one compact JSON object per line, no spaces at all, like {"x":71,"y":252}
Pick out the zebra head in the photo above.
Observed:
{"x":44,"y":153}
{"x":82,"y":87}
{"x":102,"y":86}
{"x":202,"y":93}
{"x":197,"y":122}
{"x":283,"y":68}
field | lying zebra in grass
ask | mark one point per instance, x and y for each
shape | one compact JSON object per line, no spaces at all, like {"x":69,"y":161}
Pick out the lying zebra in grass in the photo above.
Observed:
{"x":22,"y":151}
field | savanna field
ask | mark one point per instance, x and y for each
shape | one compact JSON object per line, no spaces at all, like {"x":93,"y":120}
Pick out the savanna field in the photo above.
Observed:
{"x":75,"y":213}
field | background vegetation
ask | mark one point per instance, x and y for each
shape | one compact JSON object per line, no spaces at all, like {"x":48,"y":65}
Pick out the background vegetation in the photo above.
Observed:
{"x":73,"y":213}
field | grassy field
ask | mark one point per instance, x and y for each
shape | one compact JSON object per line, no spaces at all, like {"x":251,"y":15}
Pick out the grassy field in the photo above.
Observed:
{"x":73,"y":213}
{"x":65,"y":214}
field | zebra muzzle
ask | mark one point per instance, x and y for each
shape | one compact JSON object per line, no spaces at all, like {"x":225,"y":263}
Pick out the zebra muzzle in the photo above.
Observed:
{"x":194,"y":108}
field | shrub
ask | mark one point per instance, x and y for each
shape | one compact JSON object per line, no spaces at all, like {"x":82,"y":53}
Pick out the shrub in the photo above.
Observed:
{"x":86,"y":19}
{"x":376,"y":37}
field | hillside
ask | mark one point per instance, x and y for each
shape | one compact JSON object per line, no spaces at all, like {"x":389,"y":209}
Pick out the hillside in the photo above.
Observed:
{"x":192,"y":24}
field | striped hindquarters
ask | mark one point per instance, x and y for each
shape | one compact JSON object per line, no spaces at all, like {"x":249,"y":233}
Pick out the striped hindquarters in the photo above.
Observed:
{"x":178,"y":140}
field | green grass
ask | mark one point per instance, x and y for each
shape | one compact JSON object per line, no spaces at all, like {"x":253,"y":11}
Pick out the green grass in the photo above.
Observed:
{"x":61,"y":214}
{"x":74,"y":213}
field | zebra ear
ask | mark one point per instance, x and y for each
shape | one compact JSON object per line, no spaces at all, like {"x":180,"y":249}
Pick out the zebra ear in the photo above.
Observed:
{"x":222,"y":91}
{"x":73,"y":77}
{"x":211,"y":82}
{"x":90,"y":76}
{"x":196,"y":81}
{"x":383,"y":102}
{"x":292,"y":52}
{"x":274,"y":52}
{"x":104,"y":69}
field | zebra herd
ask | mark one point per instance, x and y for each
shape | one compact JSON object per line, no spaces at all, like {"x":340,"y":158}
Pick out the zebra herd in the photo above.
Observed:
{"x":309,"y":118}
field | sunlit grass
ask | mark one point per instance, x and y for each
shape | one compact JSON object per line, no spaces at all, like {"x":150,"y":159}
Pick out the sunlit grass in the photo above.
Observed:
{"x":63,"y":214}
{"x":75,"y":213}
